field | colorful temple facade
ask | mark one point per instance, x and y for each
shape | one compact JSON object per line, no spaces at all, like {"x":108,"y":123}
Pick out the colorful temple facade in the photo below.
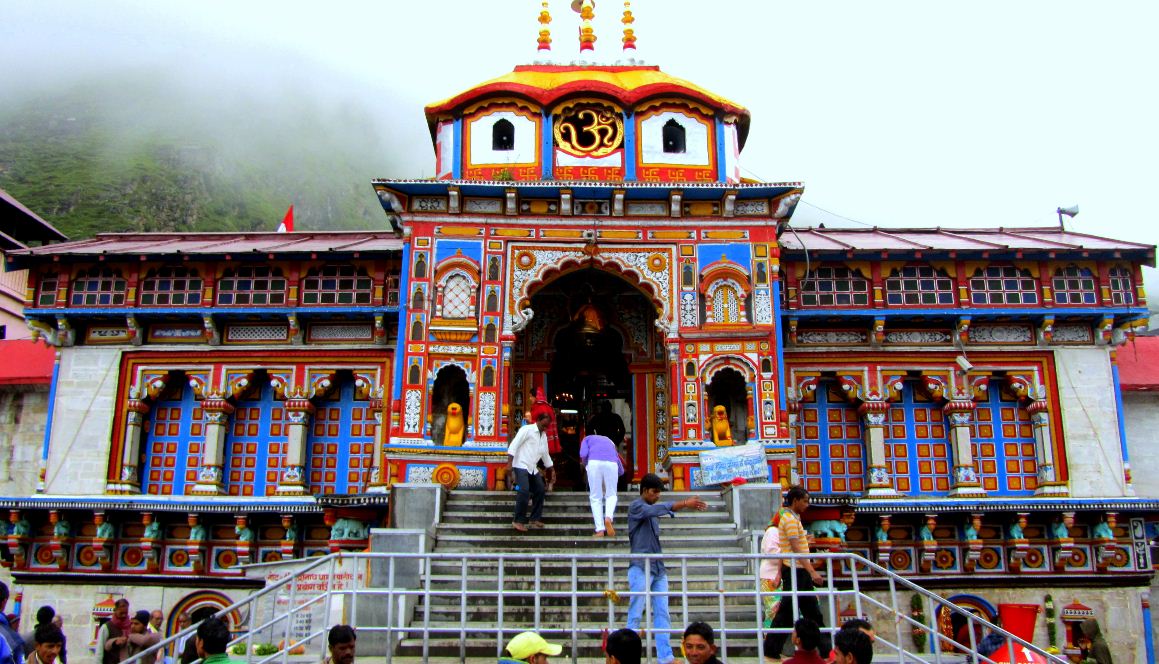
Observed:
{"x":949,"y":396}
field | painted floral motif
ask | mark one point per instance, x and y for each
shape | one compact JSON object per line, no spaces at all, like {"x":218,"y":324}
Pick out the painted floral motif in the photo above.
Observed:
{"x":688,"y":317}
{"x":831,"y":337}
{"x":1001,"y":334}
{"x":1073,"y":333}
{"x":917,"y":337}
{"x":762,"y":307}
{"x":486,"y":413}
{"x":412,"y":416}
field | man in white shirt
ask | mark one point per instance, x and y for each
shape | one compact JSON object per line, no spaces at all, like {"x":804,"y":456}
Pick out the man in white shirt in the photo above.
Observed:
{"x":526,"y":450}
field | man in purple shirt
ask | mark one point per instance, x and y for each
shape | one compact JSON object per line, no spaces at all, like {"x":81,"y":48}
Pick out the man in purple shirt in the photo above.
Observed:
{"x":602,"y":462}
{"x":644,"y":535}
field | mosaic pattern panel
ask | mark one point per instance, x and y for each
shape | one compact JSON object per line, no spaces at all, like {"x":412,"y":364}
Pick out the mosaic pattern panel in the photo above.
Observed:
{"x":255,"y":445}
{"x":341,"y":443}
{"x":174,"y":442}
{"x":917,"y":444}
{"x":830,"y":447}
{"x":1003,"y":442}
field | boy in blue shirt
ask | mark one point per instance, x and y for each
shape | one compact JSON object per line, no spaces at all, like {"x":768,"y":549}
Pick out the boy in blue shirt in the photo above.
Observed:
{"x":644,"y":535}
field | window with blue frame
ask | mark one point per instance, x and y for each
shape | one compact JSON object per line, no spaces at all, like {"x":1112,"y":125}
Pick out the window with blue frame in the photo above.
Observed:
{"x":917,"y":444}
{"x":255,"y":443}
{"x":98,"y":287}
{"x":252,"y":285}
{"x":1122,"y":287}
{"x":341,"y":443}
{"x":1002,"y":439}
{"x":1074,"y":285}
{"x":834,"y":287}
{"x":919,"y":285}
{"x":171,"y":287}
{"x":173,"y":441}
{"x":337,"y":284}
{"x":1003,"y":284}
{"x":830,"y":446}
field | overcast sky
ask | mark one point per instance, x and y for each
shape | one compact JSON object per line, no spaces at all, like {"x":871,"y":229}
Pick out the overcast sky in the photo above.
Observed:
{"x":981,"y":113}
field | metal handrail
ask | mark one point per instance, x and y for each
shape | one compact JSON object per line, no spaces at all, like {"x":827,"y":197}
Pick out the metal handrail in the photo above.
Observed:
{"x":857,"y":569}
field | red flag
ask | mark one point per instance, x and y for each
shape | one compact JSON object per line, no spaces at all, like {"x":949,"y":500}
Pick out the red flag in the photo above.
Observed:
{"x":287,"y":225}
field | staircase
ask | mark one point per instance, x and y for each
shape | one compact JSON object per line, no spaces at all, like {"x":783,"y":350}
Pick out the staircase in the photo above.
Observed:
{"x":480,"y":522}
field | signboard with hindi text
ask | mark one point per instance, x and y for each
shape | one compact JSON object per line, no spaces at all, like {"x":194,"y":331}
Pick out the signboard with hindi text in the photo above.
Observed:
{"x":724,"y":464}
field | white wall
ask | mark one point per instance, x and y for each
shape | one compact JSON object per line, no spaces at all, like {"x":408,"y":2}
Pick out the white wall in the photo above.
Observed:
{"x":1141,"y":412}
{"x":697,"y":148}
{"x":1090,"y":422}
{"x":445,"y":145}
{"x":78,"y":457}
{"x":526,"y":141}
{"x":23,"y":413}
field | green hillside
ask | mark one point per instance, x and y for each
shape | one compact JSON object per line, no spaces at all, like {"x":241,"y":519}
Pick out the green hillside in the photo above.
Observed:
{"x":95,"y":160}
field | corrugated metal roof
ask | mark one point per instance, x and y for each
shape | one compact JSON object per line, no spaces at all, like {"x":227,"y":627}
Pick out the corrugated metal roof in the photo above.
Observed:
{"x":951,"y":239}
{"x":1139,"y":365}
{"x":24,"y":225}
{"x":167,"y":244}
{"x":26,"y":362}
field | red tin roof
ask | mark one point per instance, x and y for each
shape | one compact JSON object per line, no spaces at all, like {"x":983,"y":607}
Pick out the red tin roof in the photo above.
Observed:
{"x":163,"y":244}
{"x":25,"y":362}
{"x":1139,"y":365}
{"x":952,"y":239}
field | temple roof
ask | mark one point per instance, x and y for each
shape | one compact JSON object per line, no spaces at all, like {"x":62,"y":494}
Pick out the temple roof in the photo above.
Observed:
{"x":954,"y":239}
{"x":19,"y":225}
{"x":25,"y":362}
{"x":545,"y":84}
{"x":216,"y":244}
{"x":1139,"y":365}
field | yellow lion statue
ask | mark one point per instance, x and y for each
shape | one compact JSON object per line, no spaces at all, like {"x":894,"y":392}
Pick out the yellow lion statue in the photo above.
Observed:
{"x":456,"y":428}
{"x":721,"y":432}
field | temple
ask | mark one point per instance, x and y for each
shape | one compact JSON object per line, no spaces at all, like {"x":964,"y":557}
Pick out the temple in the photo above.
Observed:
{"x":949,"y":396}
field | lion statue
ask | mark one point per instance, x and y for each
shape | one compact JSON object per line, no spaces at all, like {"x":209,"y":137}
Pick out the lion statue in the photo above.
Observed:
{"x":721,"y":431}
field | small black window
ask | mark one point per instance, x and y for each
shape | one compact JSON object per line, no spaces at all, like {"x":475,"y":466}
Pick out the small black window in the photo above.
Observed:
{"x":488,"y":376}
{"x":490,"y":333}
{"x":421,"y":266}
{"x":766,"y":366}
{"x":413,"y":376}
{"x":688,"y":277}
{"x":493,"y":268}
{"x":419,"y":302}
{"x":416,"y":330}
{"x":492,"y":300}
{"x":673,"y":137}
{"x":503,"y":135}
{"x":690,"y":370}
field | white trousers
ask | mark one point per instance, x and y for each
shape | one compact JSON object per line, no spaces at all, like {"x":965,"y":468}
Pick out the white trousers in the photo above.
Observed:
{"x":602,"y":476}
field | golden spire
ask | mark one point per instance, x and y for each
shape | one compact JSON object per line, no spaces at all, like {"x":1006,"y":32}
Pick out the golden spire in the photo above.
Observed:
{"x":545,"y":31}
{"x":587,"y":36}
{"x":629,"y":33}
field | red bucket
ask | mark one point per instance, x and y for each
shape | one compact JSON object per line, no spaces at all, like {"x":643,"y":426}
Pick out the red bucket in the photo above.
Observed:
{"x":1019,"y":619}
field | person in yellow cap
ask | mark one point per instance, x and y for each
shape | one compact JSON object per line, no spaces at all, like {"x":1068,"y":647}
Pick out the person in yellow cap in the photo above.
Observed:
{"x":531,"y":648}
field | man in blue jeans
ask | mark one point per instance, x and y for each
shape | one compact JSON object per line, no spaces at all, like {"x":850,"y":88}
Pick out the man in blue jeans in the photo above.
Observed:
{"x":644,"y":535}
{"x":526,"y":450}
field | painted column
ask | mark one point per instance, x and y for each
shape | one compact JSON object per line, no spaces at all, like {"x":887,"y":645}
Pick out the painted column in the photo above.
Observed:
{"x":964,"y":479}
{"x":42,"y":474}
{"x":1148,"y":638}
{"x":379,"y":477}
{"x":1048,"y":484}
{"x":299,"y":410}
{"x":135,"y":413}
{"x":1128,"y":490}
{"x":209,"y":477}
{"x":880,"y":483}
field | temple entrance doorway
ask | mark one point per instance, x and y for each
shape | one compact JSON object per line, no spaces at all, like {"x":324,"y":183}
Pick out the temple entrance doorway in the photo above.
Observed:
{"x":590,"y":346}
{"x":727,"y":388}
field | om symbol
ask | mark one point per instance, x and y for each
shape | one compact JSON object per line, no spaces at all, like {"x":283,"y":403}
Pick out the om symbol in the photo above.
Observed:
{"x":589,"y":131}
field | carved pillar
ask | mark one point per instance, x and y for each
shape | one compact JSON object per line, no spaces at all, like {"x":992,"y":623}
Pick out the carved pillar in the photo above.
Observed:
{"x":379,"y":480}
{"x":880,"y":482}
{"x":881,"y":537}
{"x":964,"y":478}
{"x":209,"y":477}
{"x":1019,"y":545}
{"x":61,"y":538}
{"x":195,"y":545}
{"x":1048,"y":484}
{"x":928,"y":544}
{"x":244,"y":547}
{"x":298,"y":413}
{"x":135,"y":412}
{"x":289,"y":544}
{"x":19,"y":535}
{"x":1063,"y":542}
{"x":102,"y":541}
{"x":973,"y":550}
{"x":151,"y":541}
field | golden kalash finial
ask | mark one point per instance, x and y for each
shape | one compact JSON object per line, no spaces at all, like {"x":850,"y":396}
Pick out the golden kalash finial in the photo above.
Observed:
{"x":544,"y":32}
{"x":587,"y":11}
{"x":629,"y":33}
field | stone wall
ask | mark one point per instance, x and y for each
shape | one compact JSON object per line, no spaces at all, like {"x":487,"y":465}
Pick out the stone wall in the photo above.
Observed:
{"x":1141,"y":412}
{"x":23,"y":413}
{"x":1090,"y":422}
{"x":83,"y":420}
{"x":1118,"y":610}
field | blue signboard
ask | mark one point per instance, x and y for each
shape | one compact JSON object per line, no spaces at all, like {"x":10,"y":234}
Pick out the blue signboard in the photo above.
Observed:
{"x":725,"y":464}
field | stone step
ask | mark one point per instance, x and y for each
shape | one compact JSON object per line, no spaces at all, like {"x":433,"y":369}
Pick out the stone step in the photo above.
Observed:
{"x":480,"y":645}
{"x":584,"y":518}
{"x":697,"y":570}
{"x":675,"y":530}
{"x":521,"y":543}
{"x":442,"y":580}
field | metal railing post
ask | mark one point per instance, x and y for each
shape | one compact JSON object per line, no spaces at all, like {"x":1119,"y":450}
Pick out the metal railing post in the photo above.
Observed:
{"x":463,"y":608}
{"x":574,"y":611}
{"x":390,"y":600}
{"x":499,"y":617}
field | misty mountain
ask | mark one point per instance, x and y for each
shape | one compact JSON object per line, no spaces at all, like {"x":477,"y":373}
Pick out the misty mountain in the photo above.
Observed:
{"x":143,"y":153}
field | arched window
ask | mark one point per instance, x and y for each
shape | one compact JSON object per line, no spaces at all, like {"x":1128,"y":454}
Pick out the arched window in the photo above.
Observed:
{"x":690,"y":370}
{"x":673,"y":138}
{"x":489,"y":334}
{"x":414,"y":376}
{"x":419,"y":301}
{"x":416,"y":330}
{"x":98,"y":287}
{"x":687,"y":276}
{"x":1074,"y":285}
{"x":726,"y":305}
{"x":1003,"y":284}
{"x":493,"y":268}
{"x":766,"y":365}
{"x":171,"y":287}
{"x":252,"y":285}
{"x":337,"y":284}
{"x":255,"y":443}
{"x":457,"y":297}
{"x":834,"y":287}
{"x":492,"y":300}
{"x":762,"y":273}
{"x":503,"y":135}
{"x":421,"y":266}
{"x":488,"y":376}
{"x":918,"y":285}
{"x":1122,"y":287}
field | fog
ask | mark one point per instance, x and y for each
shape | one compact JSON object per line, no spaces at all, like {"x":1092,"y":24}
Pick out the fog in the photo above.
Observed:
{"x":911,"y":113}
